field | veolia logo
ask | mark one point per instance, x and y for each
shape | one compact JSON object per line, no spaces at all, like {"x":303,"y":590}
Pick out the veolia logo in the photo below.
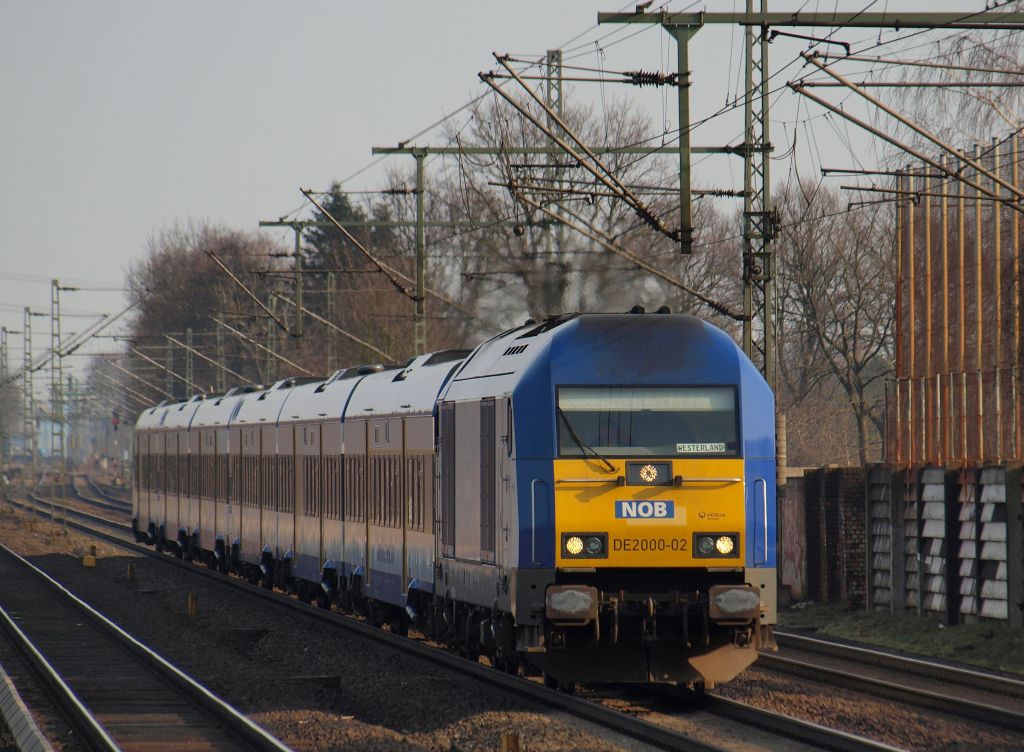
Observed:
{"x":645,"y":510}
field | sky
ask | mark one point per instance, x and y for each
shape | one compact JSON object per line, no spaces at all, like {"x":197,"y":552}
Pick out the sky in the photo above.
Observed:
{"x":122,"y":118}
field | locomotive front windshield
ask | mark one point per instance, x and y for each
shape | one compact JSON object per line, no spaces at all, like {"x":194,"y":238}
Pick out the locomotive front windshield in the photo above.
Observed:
{"x":647,"y":421}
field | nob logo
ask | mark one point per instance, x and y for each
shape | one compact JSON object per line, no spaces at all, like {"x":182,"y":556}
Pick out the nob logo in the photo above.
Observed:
{"x":645,"y":510}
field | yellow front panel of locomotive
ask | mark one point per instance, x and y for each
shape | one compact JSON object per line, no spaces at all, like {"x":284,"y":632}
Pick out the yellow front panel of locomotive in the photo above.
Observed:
{"x":588,"y":499}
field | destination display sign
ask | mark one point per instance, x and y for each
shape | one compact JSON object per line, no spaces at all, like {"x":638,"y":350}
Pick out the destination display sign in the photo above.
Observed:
{"x":700,"y":448}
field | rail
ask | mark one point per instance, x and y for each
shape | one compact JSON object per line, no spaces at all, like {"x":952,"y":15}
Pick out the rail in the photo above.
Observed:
{"x":644,"y":731}
{"x":235,"y":730}
{"x":918,"y":666}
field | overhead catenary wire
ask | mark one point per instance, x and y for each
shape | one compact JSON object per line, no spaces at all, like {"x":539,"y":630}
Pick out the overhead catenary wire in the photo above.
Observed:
{"x":402,"y":282}
{"x":246,"y":338}
{"x":331,"y":325}
{"x":601,"y":238}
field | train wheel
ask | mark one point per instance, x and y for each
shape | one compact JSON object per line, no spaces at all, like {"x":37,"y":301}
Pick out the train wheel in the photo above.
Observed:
{"x":323,"y":600}
{"x":698,"y":693}
{"x":552,"y":682}
{"x":373,"y":616}
{"x":505,"y":663}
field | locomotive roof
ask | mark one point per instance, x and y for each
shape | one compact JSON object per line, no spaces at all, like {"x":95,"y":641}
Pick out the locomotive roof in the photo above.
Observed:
{"x":496,"y":366}
{"x":637,"y":348}
{"x":412,"y":389}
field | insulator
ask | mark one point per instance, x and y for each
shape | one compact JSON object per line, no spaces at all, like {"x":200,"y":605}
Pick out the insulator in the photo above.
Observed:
{"x":652,"y":78}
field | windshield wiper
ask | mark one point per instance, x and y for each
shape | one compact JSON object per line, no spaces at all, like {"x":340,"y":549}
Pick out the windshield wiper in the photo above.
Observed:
{"x":584,"y":447}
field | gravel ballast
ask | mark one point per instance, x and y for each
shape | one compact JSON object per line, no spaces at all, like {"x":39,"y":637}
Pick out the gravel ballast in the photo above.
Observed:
{"x":313,"y":686}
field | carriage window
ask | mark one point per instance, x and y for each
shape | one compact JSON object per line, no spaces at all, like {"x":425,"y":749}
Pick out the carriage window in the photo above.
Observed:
{"x":647,"y":421}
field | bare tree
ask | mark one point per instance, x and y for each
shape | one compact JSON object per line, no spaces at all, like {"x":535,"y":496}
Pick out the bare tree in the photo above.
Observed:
{"x":178,"y":286}
{"x":837,"y":292}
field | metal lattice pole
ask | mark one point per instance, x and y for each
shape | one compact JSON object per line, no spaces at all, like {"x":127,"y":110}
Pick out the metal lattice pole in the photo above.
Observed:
{"x":221,"y":381}
{"x":189,"y":364}
{"x":758,"y":217}
{"x":56,"y":378}
{"x":28,"y":404}
{"x":4,"y":371}
{"x":554,"y":267}
{"x":169,"y":368}
{"x":330,"y":317}
{"x":299,"y":284}
{"x":268,"y":363}
{"x":420,"y":315}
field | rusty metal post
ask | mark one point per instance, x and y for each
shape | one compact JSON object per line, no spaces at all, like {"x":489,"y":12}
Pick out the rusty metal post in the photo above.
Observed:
{"x":925,"y":459}
{"x":911,"y":322}
{"x":978,"y":318}
{"x":897,"y":408}
{"x":929,"y":444}
{"x":887,"y":448}
{"x":939,"y":415}
{"x":1015,"y":381}
{"x":998,"y":286}
{"x":946,"y":405}
{"x":962,"y":320}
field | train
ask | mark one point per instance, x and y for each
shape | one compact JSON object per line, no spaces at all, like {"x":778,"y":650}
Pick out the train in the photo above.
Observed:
{"x":590,"y":497}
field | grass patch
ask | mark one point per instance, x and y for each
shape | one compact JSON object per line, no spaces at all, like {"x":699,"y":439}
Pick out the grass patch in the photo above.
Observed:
{"x":990,"y":645}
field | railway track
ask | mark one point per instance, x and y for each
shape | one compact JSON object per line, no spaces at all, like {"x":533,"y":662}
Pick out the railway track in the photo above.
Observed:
{"x":980,"y":697}
{"x":117,"y":507}
{"x":95,"y":519}
{"x":946,"y":674}
{"x":902,"y":693}
{"x":774,"y":724}
{"x":98,"y":490}
{"x":114,"y":691}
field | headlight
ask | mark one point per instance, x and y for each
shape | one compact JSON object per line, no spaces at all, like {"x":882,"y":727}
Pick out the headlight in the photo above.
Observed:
{"x":585,"y":545}
{"x":716,"y":545}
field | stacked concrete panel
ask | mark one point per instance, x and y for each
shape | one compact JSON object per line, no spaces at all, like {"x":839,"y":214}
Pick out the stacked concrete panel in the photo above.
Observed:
{"x":933,"y":547}
{"x":954,"y":545}
{"x":969,"y":546}
{"x":911,"y":543}
{"x":992,"y":576}
{"x":879,"y":513}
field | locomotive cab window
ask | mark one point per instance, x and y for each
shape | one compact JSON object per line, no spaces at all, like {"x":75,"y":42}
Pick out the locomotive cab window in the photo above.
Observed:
{"x":648,"y":421}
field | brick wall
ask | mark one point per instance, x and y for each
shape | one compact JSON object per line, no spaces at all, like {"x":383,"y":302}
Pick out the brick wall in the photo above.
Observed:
{"x":831,"y":539}
{"x":793,"y":541}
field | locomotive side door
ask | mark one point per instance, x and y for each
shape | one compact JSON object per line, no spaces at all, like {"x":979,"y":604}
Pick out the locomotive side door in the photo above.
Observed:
{"x":505,"y":486}
{"x":444,"y":510}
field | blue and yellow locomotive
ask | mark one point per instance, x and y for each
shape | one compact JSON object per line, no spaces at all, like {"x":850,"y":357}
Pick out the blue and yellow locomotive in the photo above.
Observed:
{"x":592,"y":496}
